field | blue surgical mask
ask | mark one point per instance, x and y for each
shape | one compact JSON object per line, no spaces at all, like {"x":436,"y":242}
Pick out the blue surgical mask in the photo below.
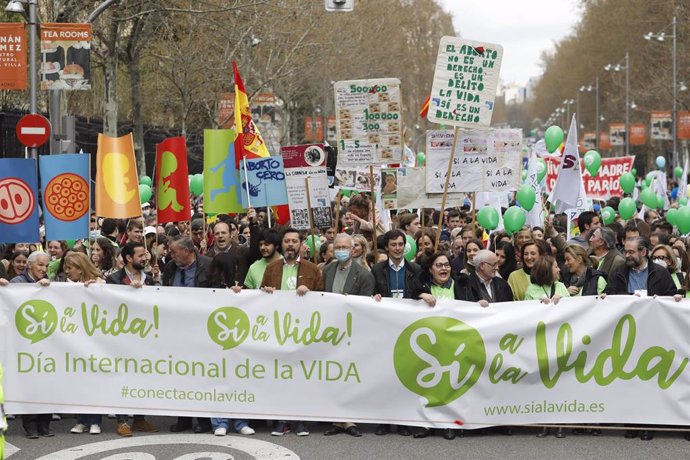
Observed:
{"x":342,"y":254}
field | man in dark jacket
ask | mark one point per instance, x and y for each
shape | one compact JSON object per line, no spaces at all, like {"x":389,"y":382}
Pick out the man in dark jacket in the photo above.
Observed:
{"x":485,"y":287}
{"x":639,"y":274}
{"x":187,"y":268}
{"x":395,"y":277}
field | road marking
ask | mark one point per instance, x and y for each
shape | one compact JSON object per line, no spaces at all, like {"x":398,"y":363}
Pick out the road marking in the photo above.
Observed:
{"x":10,"y":449}
{"x":259,"y":450}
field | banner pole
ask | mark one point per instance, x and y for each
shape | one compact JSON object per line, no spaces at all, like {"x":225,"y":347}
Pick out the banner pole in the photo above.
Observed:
{"x":423,"y":224}
{"x":337,"y":212}
{"x":311,"y":221}
{"x":445,"y":188}
{"x":246,"y":182}
{"x":473,"y":211}
{"x":373,"y":211}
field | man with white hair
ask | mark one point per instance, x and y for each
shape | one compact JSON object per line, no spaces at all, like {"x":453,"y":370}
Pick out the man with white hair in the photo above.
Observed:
{"x":485,"y":287}
{"x":602,"y":243}
{"x":342,"y":276}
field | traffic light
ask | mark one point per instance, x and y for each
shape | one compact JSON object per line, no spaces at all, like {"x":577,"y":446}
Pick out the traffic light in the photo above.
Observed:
{"x":339,"y":5}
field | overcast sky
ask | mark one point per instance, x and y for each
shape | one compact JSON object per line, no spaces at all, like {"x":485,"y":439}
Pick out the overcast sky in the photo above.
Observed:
{"x":525,"y":28}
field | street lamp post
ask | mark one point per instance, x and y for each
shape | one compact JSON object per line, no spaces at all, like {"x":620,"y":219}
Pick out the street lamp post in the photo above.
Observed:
{"x":661,"y":36}
{"x":618,"y":68}
{"x":589,"y":89}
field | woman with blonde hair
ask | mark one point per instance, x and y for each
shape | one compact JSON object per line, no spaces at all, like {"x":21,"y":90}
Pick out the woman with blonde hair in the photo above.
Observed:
{"x":80,"y":269}
{"x":663,"y":255}
{"x":360,"y":251}
{"x":584,"y":279}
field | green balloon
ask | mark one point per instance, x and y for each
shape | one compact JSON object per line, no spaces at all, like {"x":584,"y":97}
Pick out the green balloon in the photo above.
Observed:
{"x":421,"y":158}
{"x":677,"y":171}
{"x":553,"y":137}
{"x":648,"y":179}
{"x":627,"y":182}
{"x":541,"y":169}
{"x":659,"y":202}
{"x":145,"y":193}
{"x":514,"y":218}
{"x":196,"y":186}
{"x":488,"y":217}
{"x":608,"y":215}
{"x":592,"y":162}
{"x":648,"y":197}
{"x":524,"y":175}
{"x":634,"y":171}
{"x":672,"y":216}
{"x":683,"y":220}
{"x":146,"y":180}
{"x":627,"y":208}
{"x":410,"y":248}
{"x":683,"y":201}
{"x":526,"y":197}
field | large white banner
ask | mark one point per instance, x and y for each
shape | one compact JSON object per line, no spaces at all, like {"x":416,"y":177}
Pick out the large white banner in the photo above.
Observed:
{"x":114,"y":349}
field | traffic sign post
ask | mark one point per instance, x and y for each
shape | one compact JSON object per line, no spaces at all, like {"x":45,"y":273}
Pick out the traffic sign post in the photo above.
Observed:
{"x":33,"y":130}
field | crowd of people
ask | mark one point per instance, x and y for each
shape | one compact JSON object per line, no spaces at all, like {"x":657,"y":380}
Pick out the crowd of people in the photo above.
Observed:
{"x":638,"y":257}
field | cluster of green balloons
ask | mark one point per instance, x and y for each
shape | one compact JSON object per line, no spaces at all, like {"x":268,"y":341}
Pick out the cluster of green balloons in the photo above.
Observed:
{"x":553,"y":138}
{"x":145,"y":191}
{"x":196,"y":184}
{"x":651,"y":199}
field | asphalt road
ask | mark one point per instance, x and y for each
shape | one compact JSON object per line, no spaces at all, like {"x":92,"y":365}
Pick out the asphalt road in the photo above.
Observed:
{"x":187,"y":446}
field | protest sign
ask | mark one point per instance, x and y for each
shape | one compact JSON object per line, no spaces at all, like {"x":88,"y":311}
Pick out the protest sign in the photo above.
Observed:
{"x":264,"y":179}
{"x":12,"y":56}
{"x":638,"y":134}
{"x":357,"y":179}
{"x":369,"y":121}
{"x":485,"y":161}
{"x":589,"y":140}
{"x":465,"y":82}
{"x":411,"y":192}
{"x":280,"y":356}
{"x":302,"y":161}
{"x":606,"y":183}
{"x":662,"y":125}
{"x":617,"y":133}
{"x":65,"y":56}
{"x":19,"y":201}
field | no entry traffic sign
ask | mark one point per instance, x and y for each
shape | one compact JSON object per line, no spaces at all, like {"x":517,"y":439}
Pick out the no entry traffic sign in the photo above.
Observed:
{"x":33,"y":130}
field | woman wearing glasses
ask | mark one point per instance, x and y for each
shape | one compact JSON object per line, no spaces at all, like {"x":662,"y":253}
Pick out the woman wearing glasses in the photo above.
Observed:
{"x":663,"y":255}
{"x":439,"y":284}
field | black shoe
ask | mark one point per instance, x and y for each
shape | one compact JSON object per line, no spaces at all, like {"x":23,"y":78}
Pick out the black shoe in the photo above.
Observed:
{"x":596,"y":431}
{"x":32,"y":433}
{"x":421,"y":433}
{"x":353,"y":431}
{"x":505,"y":430}
{"x":687,"y":436}
{"x":579,"y":431}
{"x":382,"y":429}
{"x":199,"y":428}
{"x":449,"y":434}
{"x":45,"y":431}
{"x":335,"y":429}
{"x":631,"y":434}
{"x":544,"y":432}
{"x":180,"y":426}
{"x":403,"y":430}
{"x":560,"y":433}
{"x":646,"y":435}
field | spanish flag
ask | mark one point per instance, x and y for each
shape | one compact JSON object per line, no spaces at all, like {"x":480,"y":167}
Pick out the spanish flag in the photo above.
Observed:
{"x":425,"y":108}
{"x":117,"y":189}
{"x":249,"y":143}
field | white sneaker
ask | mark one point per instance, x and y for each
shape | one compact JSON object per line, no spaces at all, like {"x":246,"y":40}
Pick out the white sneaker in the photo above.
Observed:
{"x":56,"y":417}
{"x":95,"y":429}
{"x":79,"y":428}
{"x":220,"y":431}
{"x":247,"y":430}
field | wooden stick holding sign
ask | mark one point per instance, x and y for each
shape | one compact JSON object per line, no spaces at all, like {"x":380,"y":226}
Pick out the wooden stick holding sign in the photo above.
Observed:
{"x":474,"y":213}
{"x":373,"y":210}
{"x":337,"y":212}
{"x":311,"y":221}
{"x":456,"y":132}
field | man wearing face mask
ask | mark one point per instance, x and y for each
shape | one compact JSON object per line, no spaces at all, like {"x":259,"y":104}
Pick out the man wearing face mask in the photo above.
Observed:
{"x":344,"y":277}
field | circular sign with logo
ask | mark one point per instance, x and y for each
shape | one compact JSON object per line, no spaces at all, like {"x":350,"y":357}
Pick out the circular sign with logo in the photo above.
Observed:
{"x":17,"y":201}
{"x":66,"y":197}
{"x":33,"y":130}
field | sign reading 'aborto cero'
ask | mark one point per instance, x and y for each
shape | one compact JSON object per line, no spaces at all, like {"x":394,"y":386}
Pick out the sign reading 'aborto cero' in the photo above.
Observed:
{"x":465,"y":83}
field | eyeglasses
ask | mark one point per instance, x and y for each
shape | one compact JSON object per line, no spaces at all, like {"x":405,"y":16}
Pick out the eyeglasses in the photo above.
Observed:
{"x":440,"y":265}
{"x":660,"y":258}
{"x":493,"y":265}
